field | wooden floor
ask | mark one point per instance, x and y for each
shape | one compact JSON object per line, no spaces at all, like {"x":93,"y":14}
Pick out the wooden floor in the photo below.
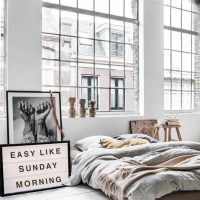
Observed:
{"x":81,"y":192}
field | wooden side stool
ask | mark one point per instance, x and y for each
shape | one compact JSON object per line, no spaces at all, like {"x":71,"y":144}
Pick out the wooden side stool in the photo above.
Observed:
{"x":168,"y":132}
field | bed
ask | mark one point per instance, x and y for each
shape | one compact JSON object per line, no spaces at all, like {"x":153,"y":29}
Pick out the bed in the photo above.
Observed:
{"x":155,"y":170}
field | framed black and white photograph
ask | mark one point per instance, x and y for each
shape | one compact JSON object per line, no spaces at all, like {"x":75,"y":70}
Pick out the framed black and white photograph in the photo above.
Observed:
{"x":31,"y":117}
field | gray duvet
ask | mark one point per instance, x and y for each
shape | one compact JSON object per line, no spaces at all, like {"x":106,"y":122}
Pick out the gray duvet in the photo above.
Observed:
{"x":144,"y":172}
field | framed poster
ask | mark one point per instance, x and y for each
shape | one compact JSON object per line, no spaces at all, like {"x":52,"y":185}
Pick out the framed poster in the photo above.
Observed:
{"x":30,"y":117}
{"x":34,"y":167}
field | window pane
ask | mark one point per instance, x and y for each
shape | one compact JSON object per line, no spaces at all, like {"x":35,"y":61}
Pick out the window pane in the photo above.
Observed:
{"x":186,"y":20}
{"x":167,"y":2}
{"x":50,"y":73}
{"x":186,"y":100}
{"x":186,"y":61}
{"x":104,"y":100}
{"x":102,"y":52}
{"x":176,"y":40}
{"x":86,"y":50}
{"x":186,"y":42}
{"x":176,"y":18}
{"x":176,"y":3}
{"x":50,"y":46}
{"x":50,"y":20}
{"x":103,"y":74}
{"x":101,"y":28}
{"x":68,"y":73}
{"x":186,"y":4}
{"x":167,"y":59}
{"x":167,"y":39}
{"x":176,"y":100}
{"x":166,"y":16}
{"x":116,"y":7}
{"x":167,"y":100}
{"x":131,"y":32}
{"x":117,"y":53}
{"x":176,"y":60}
{"x":68,"y":23}
{"x":117,"y":31}
{"x":88,"y":5}
{"x":131,"y":105}
{"x":71,"y":3}
{"x":131,"y":8}
{"x":129,"y":56}
{"x":102,"y":6}
{"x":68,"y":48}
{"x":176,"y":80}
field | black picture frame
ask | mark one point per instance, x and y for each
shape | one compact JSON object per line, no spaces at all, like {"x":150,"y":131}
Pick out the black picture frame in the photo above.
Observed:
{"x":11,"y":94}
{"x":2,"y":188}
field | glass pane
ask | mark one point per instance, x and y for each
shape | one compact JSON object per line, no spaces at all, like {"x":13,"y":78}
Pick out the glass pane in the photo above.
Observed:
{"x":102,"y":6}
{"x":167,"y":2}
{"x":116,"y":7}
{"x":131,"y":100}
{"x":103,"y":74}
{"x":167,"y":59}
{"x":176,"y":3}
{"x":86,"y":50}
{"x":186,"y":100}
{"x":176,"y":60}
{"x":104,"y":102}
{"x":50,"y":20}
{"x":176,"y":100}
{"x":186,"y":42}
{"x":176,"y":40}
{"x":50,"y":46}
{"x":186,"y":4}
{"x":186,"y":61}
{"x":167,"y":74}
{"x":176,"y":80}
{"x":131,"y":8}
{"x":166,"y":16}
{"x":86,"y":26}
{"x":117,"y":71}
{"x":195,"y":21}
{"x":117,"y":31}
{"x":68,"y":23}
{"x":176,"y":18}
{"x":85,"y":69}
{"x":68,"y":74}
{"x":186,"y":20}
{"x":83,"y":4}
{"x":186,"y":82}
{"x":117,"y":53}
{"x":101,"y":52}
{"x":131,"y":32}
{"x":68,"y":48}
{"x":50,"y":73}
{"x":167,"y":100}
{"x":129,"y":55}
{"x":71,"y":3}
{"x":167,"y":84}
{"x":101,"y":28}
{"x":167,"y":39}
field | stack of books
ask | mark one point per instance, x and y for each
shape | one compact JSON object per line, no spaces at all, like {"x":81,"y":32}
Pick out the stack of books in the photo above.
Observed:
{"x":172,"y":121}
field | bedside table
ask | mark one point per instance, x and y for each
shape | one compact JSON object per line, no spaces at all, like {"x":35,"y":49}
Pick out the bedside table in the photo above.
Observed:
{"x":168,"y":131}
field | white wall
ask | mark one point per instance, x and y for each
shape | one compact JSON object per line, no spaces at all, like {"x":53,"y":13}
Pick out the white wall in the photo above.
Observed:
{"x":24,"y":70}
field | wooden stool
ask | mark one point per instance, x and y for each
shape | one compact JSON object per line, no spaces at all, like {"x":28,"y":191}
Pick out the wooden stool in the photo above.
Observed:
{"x":168,"y":131}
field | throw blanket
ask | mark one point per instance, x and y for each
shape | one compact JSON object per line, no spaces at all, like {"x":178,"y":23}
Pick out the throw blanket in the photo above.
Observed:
{"x":141,"y":172}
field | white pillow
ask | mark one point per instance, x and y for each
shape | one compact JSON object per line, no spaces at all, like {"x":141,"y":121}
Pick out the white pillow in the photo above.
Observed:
{"x":90,"y":142}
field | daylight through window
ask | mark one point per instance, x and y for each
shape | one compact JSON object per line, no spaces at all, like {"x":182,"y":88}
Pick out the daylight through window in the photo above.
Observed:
{"x":181,"y":55}
{"x":90,"y":50}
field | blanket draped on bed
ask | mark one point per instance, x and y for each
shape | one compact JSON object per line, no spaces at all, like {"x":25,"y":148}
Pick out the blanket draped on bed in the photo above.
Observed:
{"x":142,"y":172}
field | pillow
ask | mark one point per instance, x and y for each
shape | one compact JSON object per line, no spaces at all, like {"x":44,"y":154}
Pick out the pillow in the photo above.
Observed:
{"x":115,"y":144}
{"x":90,"y":142}
{"x":139,"y":136}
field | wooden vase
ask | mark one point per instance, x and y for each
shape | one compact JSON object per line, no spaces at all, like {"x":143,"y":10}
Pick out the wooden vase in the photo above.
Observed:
{"x":72,"y":110}
{"x":82,"y":111}
{"x":92,"y":109}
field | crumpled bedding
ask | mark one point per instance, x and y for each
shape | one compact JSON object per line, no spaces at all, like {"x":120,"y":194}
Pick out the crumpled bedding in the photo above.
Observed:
{"x":90,"y":166}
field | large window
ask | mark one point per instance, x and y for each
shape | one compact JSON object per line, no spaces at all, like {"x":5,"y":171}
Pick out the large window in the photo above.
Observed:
{"x":181,"y":55}
{"x":87,"y":42}
{"x":2,"y":58}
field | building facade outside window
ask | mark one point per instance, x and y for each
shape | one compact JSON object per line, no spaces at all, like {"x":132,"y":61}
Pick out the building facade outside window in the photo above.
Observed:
{"x":2,"y":57}
{"x":92,"y":41}
{"x":181,"y":55}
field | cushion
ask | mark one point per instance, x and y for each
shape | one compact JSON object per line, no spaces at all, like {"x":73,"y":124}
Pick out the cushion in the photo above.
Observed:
{"x":146,"y":127}
{"x":90,"y":142}
{"x":115,"y":144}
{"x":135,"y":135}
